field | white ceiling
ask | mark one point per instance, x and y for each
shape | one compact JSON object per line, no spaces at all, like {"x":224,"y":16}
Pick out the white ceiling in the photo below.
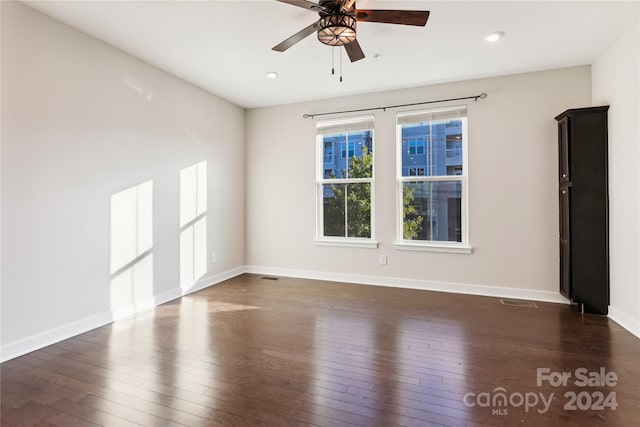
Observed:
{"x":225,"y":46}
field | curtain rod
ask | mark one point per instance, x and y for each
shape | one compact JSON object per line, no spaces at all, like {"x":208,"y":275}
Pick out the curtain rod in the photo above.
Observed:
{"x":474,"y":97}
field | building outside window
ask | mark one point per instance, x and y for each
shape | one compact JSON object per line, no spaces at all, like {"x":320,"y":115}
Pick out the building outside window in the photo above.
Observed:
{"x":328,"y":152}
{"x":416,"y":146}
{"x":416,"y":171}
{"x":432,"y":178}
{"x":344,"y":185}
{"x":352,"y":147}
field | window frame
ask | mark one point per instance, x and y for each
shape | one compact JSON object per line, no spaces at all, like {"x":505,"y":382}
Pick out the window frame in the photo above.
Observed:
{"x":320,"y":238}
{"x":434,"y":245}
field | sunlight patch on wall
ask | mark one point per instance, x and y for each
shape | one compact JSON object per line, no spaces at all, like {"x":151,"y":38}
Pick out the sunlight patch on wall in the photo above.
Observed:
{"x":193,"y":253}
{"x":132,"y":288}
{"x":131,"y":261}
{"x":193,"y":224}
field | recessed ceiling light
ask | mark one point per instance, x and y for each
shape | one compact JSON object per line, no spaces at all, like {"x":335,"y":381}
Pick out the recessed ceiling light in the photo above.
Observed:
{"x":494,"y":37}
{"x":272,"y":74}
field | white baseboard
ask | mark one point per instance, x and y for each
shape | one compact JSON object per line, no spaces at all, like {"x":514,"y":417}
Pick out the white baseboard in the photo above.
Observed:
{"x":52,"y":336}
{"x":205,"y":282}
{"x":623,"y":319}
{"x":426,"y":285}
{"x":35,"y":342}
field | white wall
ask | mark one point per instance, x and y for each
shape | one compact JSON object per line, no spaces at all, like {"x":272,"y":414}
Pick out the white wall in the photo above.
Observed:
{"x":81,"y":122}
{"x":512,"y":189}
{"x":616,"y":82}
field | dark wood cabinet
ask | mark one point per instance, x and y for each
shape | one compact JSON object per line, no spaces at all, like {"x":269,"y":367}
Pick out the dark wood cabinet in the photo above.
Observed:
{"x":583,"y":202}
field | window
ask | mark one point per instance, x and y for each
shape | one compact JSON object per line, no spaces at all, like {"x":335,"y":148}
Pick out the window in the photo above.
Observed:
{"x":345,"y":187}
{"x":416,"y":146}
{"x":431,"y":188}
{"x":352,"y":149}
{"x":416,"y":171}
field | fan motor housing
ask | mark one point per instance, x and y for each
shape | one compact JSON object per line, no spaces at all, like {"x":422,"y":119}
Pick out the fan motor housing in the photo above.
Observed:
{"x":337,"y":29}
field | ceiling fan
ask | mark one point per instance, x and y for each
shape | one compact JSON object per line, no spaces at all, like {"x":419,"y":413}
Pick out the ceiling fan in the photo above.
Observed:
{"x":337,"y":23}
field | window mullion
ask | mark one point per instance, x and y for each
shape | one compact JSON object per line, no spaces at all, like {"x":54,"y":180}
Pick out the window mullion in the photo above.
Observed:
{"x":346,"y":209}
{"x":431,"y":149}
{"x":446,"y":178}
{"x":431,"y":210}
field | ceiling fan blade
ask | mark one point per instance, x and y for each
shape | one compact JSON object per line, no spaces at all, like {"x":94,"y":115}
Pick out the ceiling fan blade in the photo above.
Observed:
{"x":354,"y":51}
{"x":305,"y":4}
{"x":404,"y":17}
{"x":299,"y":36}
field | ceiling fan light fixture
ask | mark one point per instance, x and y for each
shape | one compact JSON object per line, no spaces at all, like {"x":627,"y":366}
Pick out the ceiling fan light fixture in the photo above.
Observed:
{"x":337,"y":29}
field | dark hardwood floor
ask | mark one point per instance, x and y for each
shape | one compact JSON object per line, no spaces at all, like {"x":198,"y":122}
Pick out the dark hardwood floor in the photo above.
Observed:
{"x":297,"y":352}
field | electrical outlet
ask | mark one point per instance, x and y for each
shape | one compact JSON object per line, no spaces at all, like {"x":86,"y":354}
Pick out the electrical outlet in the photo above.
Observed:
{"x":383,"y":259}
{"x":213,"y":258}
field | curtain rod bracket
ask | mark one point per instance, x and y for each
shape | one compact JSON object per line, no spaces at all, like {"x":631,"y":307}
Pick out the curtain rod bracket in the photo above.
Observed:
{"x":483,"y":95}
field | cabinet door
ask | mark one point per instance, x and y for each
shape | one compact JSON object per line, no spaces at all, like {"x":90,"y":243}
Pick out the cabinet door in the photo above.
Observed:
{"x":564,"y":150}
{"x":565,"y":238}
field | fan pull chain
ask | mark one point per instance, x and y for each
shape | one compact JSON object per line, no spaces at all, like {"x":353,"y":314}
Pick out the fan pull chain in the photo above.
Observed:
{"x":340,"y":65}
{"x":333,"y":60}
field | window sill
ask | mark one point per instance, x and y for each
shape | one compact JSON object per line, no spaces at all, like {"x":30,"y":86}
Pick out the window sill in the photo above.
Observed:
{"x":348,"y":243}
{"x":433,"y":247}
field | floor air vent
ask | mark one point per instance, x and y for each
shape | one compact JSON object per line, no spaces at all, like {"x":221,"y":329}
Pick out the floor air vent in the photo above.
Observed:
{"x":516,"y":303}
{"x":269,"y":278}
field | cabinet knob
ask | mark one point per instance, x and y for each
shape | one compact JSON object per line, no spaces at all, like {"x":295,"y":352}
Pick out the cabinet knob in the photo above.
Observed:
{"x":564,"y":191}
{"x":564,"y":175}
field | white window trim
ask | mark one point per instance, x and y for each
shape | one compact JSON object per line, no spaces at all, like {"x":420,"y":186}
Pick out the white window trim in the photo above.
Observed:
{"x":424,"y":246}
{"x":432,"y":245}
{"x":347,"y":242}
{"x":352,"y":242}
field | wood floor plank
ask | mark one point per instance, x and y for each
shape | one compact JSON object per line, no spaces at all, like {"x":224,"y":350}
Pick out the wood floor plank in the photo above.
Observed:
{"x":140,"y":416}
{"x":298,"y":352}
{"x":90,"y":414}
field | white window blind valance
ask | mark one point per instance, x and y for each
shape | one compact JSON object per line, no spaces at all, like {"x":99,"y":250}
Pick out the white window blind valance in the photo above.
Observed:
{"x":444,"y":114}
{"x":355,"y":124}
